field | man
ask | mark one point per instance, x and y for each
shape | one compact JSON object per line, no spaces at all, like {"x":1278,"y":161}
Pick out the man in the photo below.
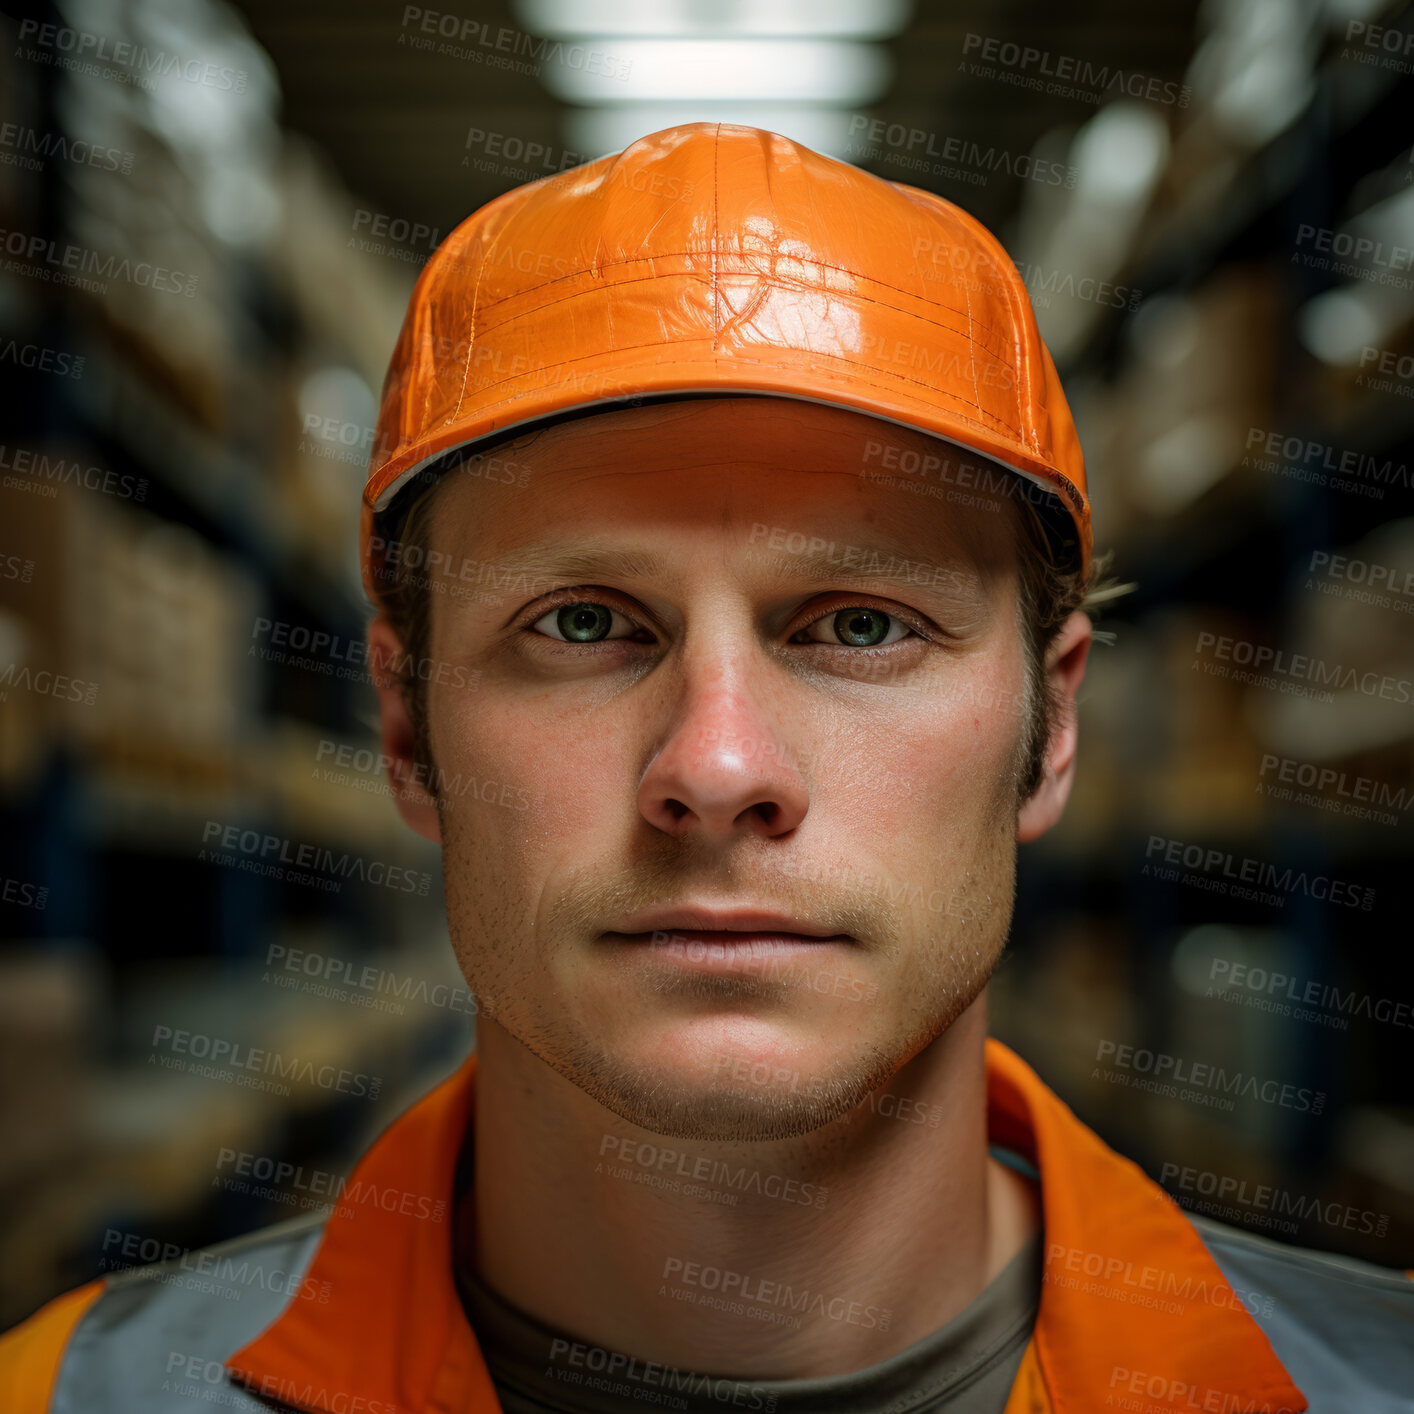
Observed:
{"x":742,"y":491}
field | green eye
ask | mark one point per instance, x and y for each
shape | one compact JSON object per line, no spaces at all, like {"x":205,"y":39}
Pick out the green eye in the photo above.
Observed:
{"x":582,"y":623}
{"x":858,"y":627}
{"x":587,"y":621}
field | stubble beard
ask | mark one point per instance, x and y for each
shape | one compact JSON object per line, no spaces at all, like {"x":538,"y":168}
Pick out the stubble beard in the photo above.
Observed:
{"x":949,"y":971}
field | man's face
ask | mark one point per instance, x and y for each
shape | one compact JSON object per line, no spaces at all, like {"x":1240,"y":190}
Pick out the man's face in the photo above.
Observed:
{"x":721,"y":726}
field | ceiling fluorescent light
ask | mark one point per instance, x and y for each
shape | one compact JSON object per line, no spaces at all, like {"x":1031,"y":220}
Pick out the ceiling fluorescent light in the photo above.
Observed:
{"x":786,"y":70}
{"x":840,"y":19}
{"x":600,"y":130}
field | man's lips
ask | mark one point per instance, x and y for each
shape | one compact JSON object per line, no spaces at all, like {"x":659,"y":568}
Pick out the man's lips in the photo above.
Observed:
{"x":730,"y":947}
{"x":713,"y":935}
{"x":725,"y":925}
{"x":723,"y":940}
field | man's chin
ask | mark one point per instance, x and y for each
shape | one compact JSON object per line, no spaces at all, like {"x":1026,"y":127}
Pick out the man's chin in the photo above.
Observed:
{"x":721,"y":1114}
{"x":728,"y":1090}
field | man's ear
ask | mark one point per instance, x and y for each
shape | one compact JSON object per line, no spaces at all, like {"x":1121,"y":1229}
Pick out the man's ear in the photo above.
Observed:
{"x":408,"y":781}
{"x":1064,"y":671}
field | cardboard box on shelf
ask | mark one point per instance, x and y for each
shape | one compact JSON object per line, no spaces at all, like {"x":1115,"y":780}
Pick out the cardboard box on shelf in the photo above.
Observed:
{"x":1349,"y":649}
{"x":324,"y":418}
{"x":134,"y":628}
{"x":1205,"y":776}
{"x":332,"y":790}
{"x":49,"y":1002}
{"x":170,"y":291}
{"x":1200,"y":373}
{"x":351,"y":302}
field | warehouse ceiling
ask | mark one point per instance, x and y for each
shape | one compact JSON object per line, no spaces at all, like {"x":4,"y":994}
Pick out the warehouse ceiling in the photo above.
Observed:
{"x":364,"y":80}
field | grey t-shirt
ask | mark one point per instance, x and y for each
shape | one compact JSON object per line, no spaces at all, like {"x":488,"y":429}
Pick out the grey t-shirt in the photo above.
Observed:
{"x":967,"y":1366}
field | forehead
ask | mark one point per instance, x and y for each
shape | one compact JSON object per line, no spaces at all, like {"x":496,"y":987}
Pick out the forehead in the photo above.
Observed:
{"x":758,"y":473}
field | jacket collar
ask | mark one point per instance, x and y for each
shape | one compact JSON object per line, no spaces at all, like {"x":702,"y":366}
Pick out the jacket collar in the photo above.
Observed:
{"x":1133,"y":1306}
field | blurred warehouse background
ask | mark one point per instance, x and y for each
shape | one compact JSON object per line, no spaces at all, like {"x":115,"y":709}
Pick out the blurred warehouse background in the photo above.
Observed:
{"x":212,"y":218}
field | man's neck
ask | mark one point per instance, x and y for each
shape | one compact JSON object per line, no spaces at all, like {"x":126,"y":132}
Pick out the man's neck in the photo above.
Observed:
{"x":787,"y":1259}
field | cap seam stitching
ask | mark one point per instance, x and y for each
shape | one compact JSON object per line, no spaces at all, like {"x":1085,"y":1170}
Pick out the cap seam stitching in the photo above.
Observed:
{"x":471,"y":333}
{"x":932,"y":390}
{"x":976,"y":394}
{"x":716,"y":238}
{"x":598,"y":270}
{"x":1023,"y":370}
{"x":863,"y":298}
{"x":1022,"y":367}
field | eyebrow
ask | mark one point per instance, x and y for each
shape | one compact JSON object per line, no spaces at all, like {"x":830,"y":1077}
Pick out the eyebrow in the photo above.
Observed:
{"x":833,"y":561}
{"x":870,"y":564}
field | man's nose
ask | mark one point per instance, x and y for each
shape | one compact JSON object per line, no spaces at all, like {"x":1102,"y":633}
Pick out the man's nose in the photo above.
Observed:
{"x":723,"y":770}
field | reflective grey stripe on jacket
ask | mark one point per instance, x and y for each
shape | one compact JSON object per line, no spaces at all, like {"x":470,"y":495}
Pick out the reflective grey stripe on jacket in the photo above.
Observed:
{"x":154,"y":1341}
{"x":1343,"y":1328}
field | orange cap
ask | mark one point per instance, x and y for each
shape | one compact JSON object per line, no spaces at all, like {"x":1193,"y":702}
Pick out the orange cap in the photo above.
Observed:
{"x":711,"y":258}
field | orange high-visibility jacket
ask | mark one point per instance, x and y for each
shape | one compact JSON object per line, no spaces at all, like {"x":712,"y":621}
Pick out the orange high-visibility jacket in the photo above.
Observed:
{"x":1143,"y":1306}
